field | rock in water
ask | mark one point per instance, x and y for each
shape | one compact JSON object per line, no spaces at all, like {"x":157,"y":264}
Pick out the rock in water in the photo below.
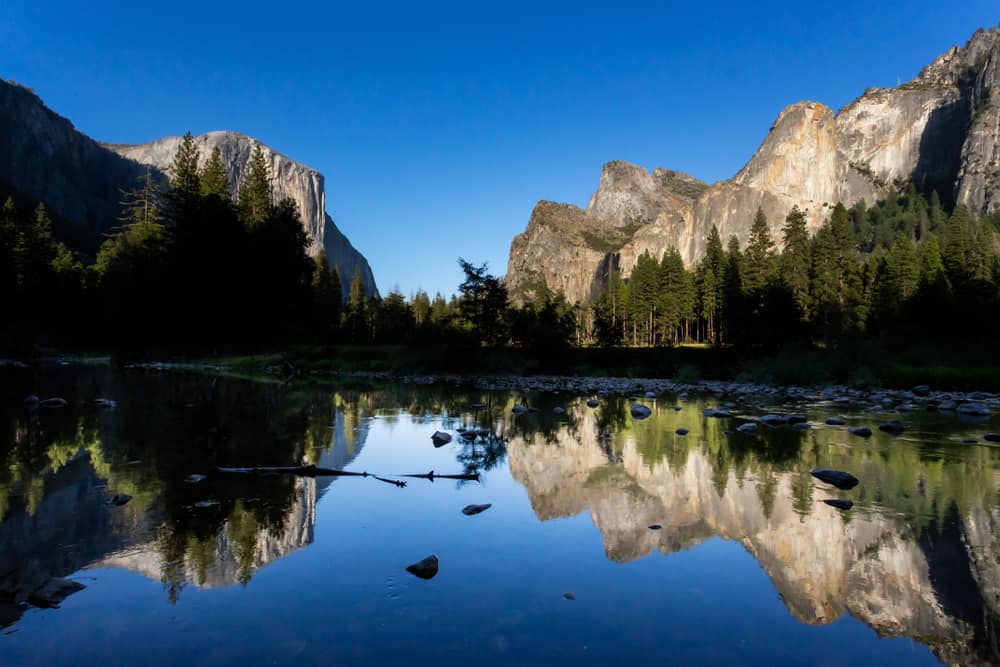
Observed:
{"x":640,"y":411}
{"x":559,"y":410}
{"x":518,"y":409}
{"x":54,"y":402}
{"x":425,"y":569}
{"x":655,"y":526}
{"x":835,"y":421}
{"x":650,"y":394}
{"x":593,"y":403}
{"x":797,"y":419}
{"x":749,"y":428}
{"x":921,"y":390}
{"x":839,"y":503}
{"x":773,"y":420}
{"x":440,"y":438}
{"x":54,"y":591}
{"x":860,"y":431}
{"x":469,"y":510}
{"x":838,"y":478}
{"x":973,"y":409}
{"x":31,"y":400}
{"x":119,"y":499}
{"x":681,"y":431}
{"x":893,"y":427}
{"x":992,"y":437}
{"x":194,"y":478}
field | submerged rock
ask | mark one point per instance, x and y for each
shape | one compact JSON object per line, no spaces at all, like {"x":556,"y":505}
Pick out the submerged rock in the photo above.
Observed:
{"x":801,"y":426}
{"x":838,"y":478}
{"x":54,"y":402}
{"x":119,"y":499}
{"x":469,"y":510}
{"x":835,"y":421}
{"x":425,"y":569}
{"x":839,"y":503}
{"x":860,"y":431}
{"x":54,"y":591}
{"x":440,"y":438}
{"x":640,"y":411}
{"x":894,"y":427}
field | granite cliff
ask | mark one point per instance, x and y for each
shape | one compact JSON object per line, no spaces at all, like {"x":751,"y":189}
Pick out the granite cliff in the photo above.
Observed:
{"x":939,"y":131}
{"x":44,"y":158}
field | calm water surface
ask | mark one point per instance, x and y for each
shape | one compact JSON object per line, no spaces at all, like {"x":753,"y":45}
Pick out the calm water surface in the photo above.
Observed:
{"x":749,"y":566}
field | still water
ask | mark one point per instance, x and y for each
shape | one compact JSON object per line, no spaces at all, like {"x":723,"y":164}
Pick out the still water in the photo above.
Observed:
{"x":748,"y":565}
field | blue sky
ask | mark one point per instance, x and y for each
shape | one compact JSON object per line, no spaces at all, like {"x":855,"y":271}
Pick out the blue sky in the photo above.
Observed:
{"x":439,"y":126}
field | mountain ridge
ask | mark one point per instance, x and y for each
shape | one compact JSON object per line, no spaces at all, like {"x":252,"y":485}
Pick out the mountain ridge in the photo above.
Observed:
{"x":44,"y":157}
{"x":939,"y":131}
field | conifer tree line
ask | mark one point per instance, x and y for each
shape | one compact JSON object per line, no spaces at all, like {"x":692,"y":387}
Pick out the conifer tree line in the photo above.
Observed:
{"x":192,"y":265}
{"x":903,"y":267}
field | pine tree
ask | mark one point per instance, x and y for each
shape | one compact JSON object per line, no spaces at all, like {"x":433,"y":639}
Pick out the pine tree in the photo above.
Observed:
{"x":899,"y":278}
{"x":421,"y":306}
{"x":214,"y":180}
{"x":357,"y":306}
{"x":796,"y":258}
{"x":254,"y":197}
{"x":758,"y":264}
{"x":142,"y":204}
{"x":959,"y":247}
{"x":8,"y":269}
{"x":185,"y":181}
{"x":708,"y":304}
{"x":326,"y":297}
{"x":733,"y":290}
{"x":933,"y":276}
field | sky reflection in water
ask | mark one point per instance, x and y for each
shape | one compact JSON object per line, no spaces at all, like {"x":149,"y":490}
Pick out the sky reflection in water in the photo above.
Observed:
{"x":749,"y":565}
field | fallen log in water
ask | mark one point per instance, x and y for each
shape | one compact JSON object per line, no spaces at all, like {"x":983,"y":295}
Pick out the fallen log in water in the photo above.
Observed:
{"x":302,"y":471}
{"x":313,"y":471}
{"x":474,"y":477}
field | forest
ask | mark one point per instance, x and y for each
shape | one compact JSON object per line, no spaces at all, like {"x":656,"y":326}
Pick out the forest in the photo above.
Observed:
{"x":192,"y":267}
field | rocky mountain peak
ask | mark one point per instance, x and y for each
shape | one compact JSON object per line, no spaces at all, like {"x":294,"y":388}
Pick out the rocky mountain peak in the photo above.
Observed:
{"x":940,"y":131}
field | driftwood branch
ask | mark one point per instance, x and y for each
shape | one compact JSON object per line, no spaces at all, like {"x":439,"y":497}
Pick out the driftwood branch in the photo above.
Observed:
{"x":313,"y":471}
{"x":474,"y":477}
{"x":302,"y":471}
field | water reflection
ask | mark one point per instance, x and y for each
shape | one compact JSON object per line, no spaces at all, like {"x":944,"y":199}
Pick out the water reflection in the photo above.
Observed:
{"x":919,"y":556}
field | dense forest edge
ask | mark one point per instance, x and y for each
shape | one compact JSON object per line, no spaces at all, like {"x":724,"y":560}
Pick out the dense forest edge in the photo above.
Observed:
{"x":901,"y":292}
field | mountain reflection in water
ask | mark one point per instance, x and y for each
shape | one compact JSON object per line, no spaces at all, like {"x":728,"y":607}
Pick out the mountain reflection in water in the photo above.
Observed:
{"x":918,"y":556}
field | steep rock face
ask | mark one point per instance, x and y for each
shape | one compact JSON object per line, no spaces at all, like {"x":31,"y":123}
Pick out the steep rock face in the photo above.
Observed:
{"x":44,"y":158}
{"x":289,"y":179}
{"x":940,"y":131}
{"x":571,"y":250}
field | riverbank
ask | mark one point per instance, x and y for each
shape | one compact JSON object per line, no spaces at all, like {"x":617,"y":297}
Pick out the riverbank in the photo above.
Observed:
{"x":862,"y":367}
